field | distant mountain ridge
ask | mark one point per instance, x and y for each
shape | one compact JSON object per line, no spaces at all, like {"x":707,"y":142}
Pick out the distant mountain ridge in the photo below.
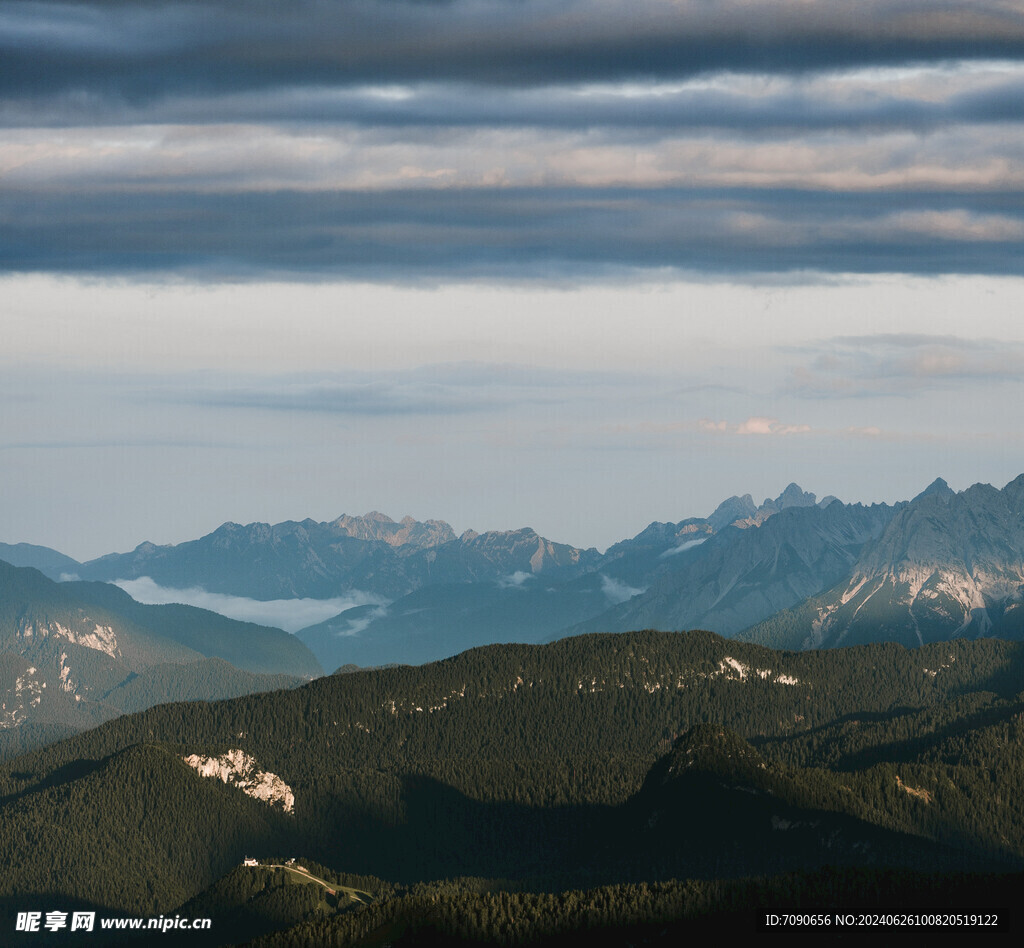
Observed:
{"x":744,"y":573}
{"x":791,"y":571}
{"x":407,"y":532}
{"x":948,"y":565}
{"x":319,"y":560}
{"x":49,"y":562}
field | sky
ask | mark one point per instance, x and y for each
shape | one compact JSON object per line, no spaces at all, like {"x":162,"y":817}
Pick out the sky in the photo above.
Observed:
{"x":573,"y":266}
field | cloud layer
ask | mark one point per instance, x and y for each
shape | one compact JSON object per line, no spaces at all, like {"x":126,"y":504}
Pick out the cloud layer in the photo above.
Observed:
{"x":492,"y":233}
{"x":271,"y":260}
{"x":482,"y":138}
{"x":288,"y":614}
{"x":140,"y":50}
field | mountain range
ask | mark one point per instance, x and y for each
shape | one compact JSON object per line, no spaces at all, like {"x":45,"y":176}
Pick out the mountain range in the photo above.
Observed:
{"x":320,"y":560}
{"x":791,"y":572}
{"x":630,"y":784}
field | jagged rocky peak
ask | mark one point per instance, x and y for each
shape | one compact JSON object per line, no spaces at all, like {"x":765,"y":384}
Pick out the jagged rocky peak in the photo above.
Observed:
{"x":527,"y":546}
{"x":1016,"y":487}
{"x":229,"y":534}
{"x":665,"y":538}
{"x":743,"y":512}
{"x":656,"y":532}
{"x":147,"y":547}
{"x":937,"y":488}
{"x":407,"y":532}
{"x":947,"y":565}
{"x":731,"y":510}
{"x":793,"y":496}
{"x":980,"y":532}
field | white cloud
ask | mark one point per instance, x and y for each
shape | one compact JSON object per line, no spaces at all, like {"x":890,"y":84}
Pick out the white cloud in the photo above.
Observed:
{"x":683,"y":547}
{"x":288,"y":614}
{"x":355,"y":626}
{"x":107,"y":347}
{"x":617,"y":591}
{"x":958,"y":225}
{"x":220,"y":159}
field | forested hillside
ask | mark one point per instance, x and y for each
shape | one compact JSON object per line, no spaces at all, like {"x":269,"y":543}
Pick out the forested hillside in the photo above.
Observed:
{"x":74,"y":654}
{"x":589,"y":762}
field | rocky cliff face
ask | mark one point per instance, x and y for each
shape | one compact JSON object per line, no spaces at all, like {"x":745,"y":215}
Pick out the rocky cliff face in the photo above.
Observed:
{"x":497,"y":555}
{"x":238,"y":769}
{"x":742,"y":575}
{"x":407,"y":533}
{"x":947,"y":565}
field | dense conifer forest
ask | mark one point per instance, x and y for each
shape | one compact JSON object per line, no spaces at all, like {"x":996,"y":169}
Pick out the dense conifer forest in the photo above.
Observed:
{"x":617,"y":781}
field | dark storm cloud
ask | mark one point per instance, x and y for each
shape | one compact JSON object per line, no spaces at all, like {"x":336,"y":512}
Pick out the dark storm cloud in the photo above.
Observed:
{"x":231,"y":139}
{"x":791,"y":109}
{"x":137,"y":51}
{"x":511,"y":232}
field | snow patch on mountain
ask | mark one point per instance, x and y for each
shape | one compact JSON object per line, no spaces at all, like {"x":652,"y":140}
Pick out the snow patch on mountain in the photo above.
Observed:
{"x":854,"y":588}
{"x":933,"y":672}
{"x":238,"y":769}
